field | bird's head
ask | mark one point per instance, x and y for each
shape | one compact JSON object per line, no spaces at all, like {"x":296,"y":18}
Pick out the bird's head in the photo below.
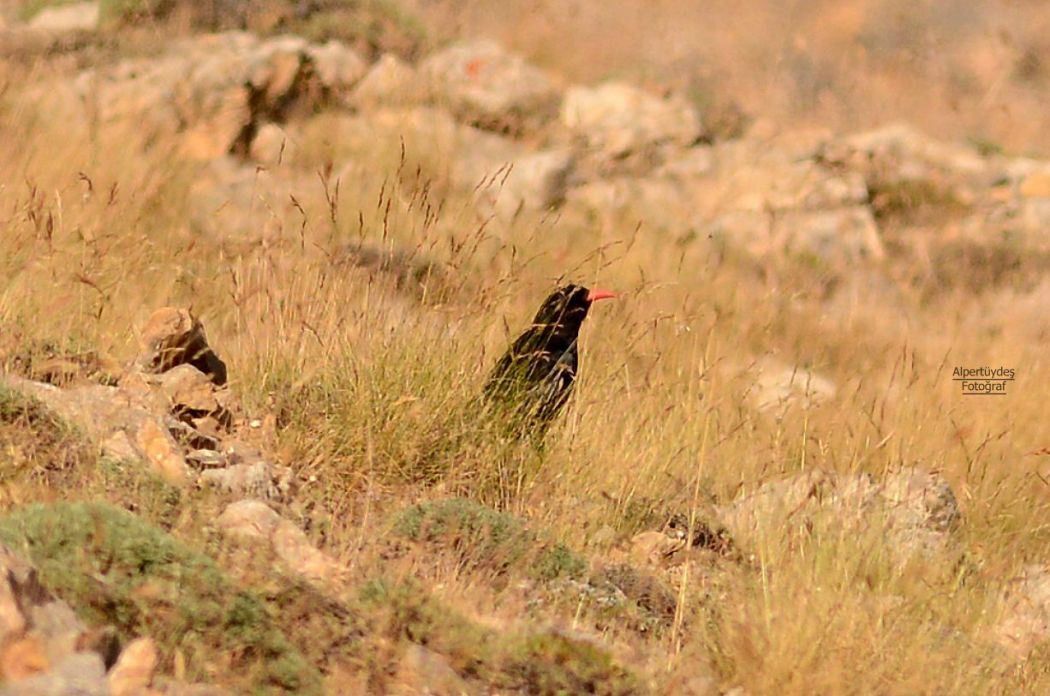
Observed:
{"x":567,"y":306}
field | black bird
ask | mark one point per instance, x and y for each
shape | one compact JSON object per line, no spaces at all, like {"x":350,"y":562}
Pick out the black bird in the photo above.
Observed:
{"x":532,"y":381}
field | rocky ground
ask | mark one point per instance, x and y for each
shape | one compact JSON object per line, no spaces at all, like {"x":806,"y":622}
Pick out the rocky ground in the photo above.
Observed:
{"x":296,"y":499}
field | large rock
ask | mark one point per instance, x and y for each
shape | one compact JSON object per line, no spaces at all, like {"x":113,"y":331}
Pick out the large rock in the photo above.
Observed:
{"x":336,"y":65}
{"x":245,"y":472}
{"x":389,"y":82}
{"x":833,"y":236}
{"x":617,"y":118}
{"x":168,"y":392}
{"x":78,"y":16}
{"x":133,"y":672}
{"x":778,"y":387}
{"x":40,"y":638}
{"x":121,"y":423}
{"x":488,"y":87}
{"x":212,"y":91}
{"x":907,"y":153}
{"x":254,"y":520}
{"x":914,"y":510}
{"x":1024,"y":621}
{"x":77,"y":674}
{"x":506,"y":178}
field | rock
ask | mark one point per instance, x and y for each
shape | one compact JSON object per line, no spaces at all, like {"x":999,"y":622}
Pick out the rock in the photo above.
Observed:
{"x":253,"y":519}
{"x":133,"y":672}
{"x":507,"y":180}
{"x":103,"y":413}
{"x":1024,"y":621}
{"x":161,"y":451}
{"x":1035,"y":185}
{"x":423,"y":671}
{"x":655,"y":549}
{"x":912,"y":154}
{"x":40,"y":637}
{"x":258,"y":479}
{"x":79,"y":16}
{"x":103,"y":641}
{"x":272,"y":145}
{"x":535,"y":182}
{"x":22,"y":658}
{"x":187,"y":389}
{"x":206,"y":459}
{"x":617,"y":118}
{"x":488,"y":87}
{"x":337,"y":65}
{"x":645,"y":590}
{"x":169,"y":687}
{"x":389,"y":82}
{"x":844,"y":235}
{"x":916,"y":510}
{"x":173,"y":336}
{"x":835,"y":236}
{"x":655,"y":203}
{"x":18,"y":580}
{"x":211,"y":91}
{"x":778,"y":387}
{"x":78,"y":674}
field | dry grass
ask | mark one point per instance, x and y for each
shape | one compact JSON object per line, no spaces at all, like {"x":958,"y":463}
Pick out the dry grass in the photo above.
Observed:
{"x":372,"y":389}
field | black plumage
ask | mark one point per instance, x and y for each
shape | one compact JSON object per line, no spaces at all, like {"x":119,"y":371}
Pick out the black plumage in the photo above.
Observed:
{"x":535,"y":377}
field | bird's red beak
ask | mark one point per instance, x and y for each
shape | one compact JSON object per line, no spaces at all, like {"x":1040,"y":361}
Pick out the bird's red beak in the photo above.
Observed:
{"x":595,"y":295}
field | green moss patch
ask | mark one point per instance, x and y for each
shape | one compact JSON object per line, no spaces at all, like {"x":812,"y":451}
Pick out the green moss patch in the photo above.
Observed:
{"x":115,"y":569}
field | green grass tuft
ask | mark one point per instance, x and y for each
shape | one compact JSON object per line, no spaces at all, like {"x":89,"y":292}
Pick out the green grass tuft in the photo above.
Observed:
{"x":487,"y":538}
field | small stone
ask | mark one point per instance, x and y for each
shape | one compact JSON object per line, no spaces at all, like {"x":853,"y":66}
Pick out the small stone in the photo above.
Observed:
{"x":255,"y":479}
{"x":161,"y":451}
{"x":206,"y":459}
